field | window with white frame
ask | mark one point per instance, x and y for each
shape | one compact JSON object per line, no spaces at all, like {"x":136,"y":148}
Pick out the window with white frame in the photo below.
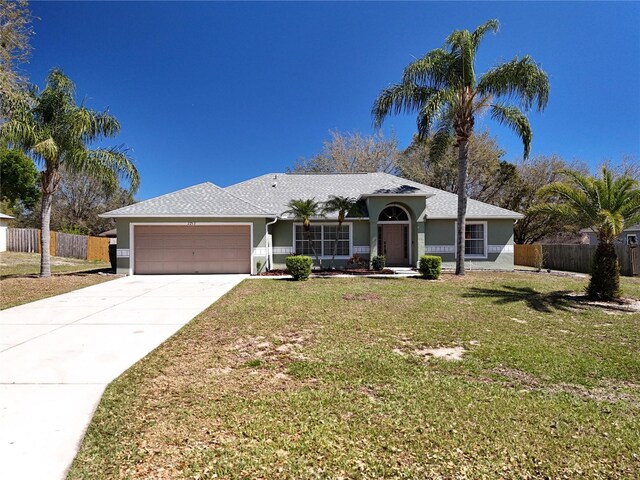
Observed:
{"x":475,"y":239}
{"x":632,"y":239}
{"x":303,"y":246}
{"x":331,"y":235}
{"x":324,"y":238}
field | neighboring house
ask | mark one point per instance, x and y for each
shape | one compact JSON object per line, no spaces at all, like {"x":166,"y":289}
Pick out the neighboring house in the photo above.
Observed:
{"x":242,"y":228}
{"x":4,"y":222}
{"x":630,"y":236}
{"x":112,"y":235}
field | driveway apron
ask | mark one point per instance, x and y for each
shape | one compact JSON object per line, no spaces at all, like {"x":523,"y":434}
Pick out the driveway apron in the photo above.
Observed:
{"x":58,"y":354}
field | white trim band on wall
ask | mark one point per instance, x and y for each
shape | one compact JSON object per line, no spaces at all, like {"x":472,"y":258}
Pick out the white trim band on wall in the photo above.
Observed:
{"x":451,"y":249}
{"x":500,"y":248}
{"x":123,"y":253}
{"x":282,"y":250}
{"x":440,"y":249}
{"x":260,"y":251}
{"x":364,"y":249}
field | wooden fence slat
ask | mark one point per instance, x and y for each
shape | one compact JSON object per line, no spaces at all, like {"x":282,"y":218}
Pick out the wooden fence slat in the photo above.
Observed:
{"x":575,"y":258}
{"x":62,"y":244}
{"x":98,"y":249}
{"x":528,"y":255}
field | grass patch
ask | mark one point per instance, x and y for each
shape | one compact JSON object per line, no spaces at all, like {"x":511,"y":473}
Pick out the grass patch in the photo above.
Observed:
{"x":20,"y":284}
{"x":337,"y":378}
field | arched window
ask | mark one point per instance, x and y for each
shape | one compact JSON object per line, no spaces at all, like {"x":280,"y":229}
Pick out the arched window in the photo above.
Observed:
{"x":393,"y":213}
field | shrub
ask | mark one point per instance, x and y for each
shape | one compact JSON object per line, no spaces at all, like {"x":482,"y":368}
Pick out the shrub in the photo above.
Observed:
{"x":430,"y":266}
{"x":378,"y":262}
{"x":357,"y":262}
{"x":299,"y":267}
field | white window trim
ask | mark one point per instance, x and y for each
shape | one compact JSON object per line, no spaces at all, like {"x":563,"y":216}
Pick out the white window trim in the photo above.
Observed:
{"x":629,"y":235}
{"x":322,"y":225}
{"x":485,"y":255}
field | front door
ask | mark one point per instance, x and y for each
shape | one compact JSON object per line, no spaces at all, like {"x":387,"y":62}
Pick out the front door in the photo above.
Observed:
{"x":395,"y":244}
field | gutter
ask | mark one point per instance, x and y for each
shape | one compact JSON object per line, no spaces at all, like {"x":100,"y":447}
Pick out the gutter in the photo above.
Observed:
{"x":269,"y":255}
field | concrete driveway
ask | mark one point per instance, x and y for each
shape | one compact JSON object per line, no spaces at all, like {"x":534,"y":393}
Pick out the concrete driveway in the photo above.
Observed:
{"x":58,"y":354}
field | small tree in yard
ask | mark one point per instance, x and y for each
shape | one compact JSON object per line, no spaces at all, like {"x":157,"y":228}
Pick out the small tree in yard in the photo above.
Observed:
{"x":443,"y":90}
{"x":608,"y":205}
{"x":304,"y":211}
{"x":56,"y":132}
{"x":342,"y":205}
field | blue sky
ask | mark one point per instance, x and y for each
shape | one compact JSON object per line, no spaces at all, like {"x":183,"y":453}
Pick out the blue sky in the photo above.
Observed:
{"x":225,"y":91}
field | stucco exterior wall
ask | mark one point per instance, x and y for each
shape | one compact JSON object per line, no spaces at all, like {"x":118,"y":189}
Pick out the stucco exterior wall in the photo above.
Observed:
{"x":124,"y":233}
{"x":440,"y":240}
{"x":283,"y":241}
{"x":434,"y":237}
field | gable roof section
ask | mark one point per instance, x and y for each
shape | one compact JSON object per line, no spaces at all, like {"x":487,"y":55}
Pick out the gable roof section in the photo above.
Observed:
{"x":202,"y":200}
{"x":273,"y":192}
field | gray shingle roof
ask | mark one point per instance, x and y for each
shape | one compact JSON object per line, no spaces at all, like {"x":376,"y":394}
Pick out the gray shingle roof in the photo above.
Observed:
{"x":202,"y":200}
{"x":274,"y":191}
{"x":268,"y":195}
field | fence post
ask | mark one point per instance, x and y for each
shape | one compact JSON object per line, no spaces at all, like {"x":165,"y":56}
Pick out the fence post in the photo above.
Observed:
{"x":52,"y":244}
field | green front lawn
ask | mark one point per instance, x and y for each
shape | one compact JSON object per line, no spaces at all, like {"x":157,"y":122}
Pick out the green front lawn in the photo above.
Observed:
{"x":331,"y":378}
{"x":19,"y":282}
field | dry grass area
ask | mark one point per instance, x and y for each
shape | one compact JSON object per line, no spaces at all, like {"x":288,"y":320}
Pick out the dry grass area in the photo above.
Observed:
{"x":494,"y":375}
{"x":20,"y":284}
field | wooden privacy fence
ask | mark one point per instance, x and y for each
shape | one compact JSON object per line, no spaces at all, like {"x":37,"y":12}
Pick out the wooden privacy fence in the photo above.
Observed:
{"x":62,"y":244}
{"x":528,"y":255}
{"x":574,"y":258}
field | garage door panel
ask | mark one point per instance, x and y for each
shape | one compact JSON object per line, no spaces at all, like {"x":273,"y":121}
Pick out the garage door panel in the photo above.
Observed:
{"x":192,"y":249}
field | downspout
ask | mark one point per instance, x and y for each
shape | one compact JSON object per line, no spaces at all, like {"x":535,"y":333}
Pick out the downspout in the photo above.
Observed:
{"x":268,"y":249}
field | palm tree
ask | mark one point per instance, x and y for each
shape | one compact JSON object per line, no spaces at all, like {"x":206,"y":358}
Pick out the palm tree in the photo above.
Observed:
{"x":56,"y":132}
{"x":304,"y":211}
{"x":442,"y":88}
{"x":608,"y":205}
{"x":342,"y":205}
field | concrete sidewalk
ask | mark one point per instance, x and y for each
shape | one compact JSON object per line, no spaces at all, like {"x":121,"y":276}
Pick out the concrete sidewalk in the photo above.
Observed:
{"x":58,"y":354}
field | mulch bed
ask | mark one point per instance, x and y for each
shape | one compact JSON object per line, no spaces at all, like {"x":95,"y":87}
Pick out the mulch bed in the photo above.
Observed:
{"x":328,"y":273}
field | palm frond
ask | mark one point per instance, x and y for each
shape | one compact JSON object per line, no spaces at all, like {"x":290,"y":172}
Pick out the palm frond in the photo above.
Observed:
{"x":435,"y":108}
{"x":478,"y":34}
{"x":47,"y":150}
{"x":519,"y":79}
{"x":22,"y":134}
{"x":342,"y":205}
{"x":116,"y":160}
{"x":400,"y":98}
{"x":461,"y":46}
{"x":436,"y":69}
{"x":441,"y":140}
{"x":304,"y":210}
{"x":513,"y":118}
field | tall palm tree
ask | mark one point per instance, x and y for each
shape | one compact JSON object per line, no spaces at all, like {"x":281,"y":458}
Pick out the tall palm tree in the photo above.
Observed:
{"x":55,"y":131}
{"x":304,"y":211}
{"x":442,"y":89}
{"x":607,"y":205}
{"x":342,"y":205}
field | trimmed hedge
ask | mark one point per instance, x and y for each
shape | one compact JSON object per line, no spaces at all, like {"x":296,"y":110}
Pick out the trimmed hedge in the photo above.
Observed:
{"x":430,"y":266}
{"x":299,"y":267}
{"x":378,"y":262}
